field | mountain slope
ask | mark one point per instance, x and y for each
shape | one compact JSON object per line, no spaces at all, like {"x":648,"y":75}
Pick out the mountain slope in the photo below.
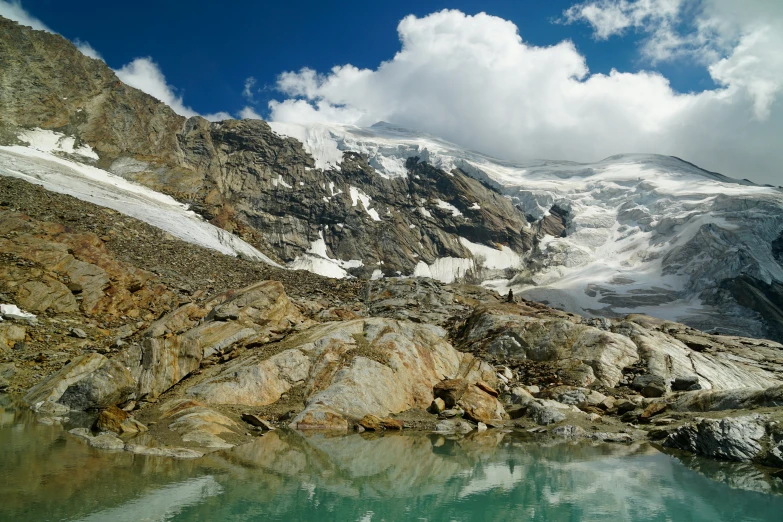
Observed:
{"x":631,"y":233}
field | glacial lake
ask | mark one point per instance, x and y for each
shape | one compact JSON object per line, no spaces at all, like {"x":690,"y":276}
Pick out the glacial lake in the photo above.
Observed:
{"x":47,"y":474}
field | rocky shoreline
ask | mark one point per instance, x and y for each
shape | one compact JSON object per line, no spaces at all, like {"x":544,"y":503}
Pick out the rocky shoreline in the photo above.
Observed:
{"x":167,"y":363}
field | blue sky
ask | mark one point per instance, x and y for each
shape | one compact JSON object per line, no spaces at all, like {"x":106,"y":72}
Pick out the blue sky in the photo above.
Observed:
{"x":562,"y":79}
{"x":207,"y":51}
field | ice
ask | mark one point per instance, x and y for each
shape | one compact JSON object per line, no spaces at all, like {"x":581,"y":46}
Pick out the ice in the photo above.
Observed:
{"x":50,"y":141}
{"x":494,"y":259}
{"x":105,"y":189}
{"x":444,"y":269}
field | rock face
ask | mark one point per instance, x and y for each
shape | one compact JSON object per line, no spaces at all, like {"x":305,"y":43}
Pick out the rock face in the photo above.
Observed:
{"x":733,"y":438}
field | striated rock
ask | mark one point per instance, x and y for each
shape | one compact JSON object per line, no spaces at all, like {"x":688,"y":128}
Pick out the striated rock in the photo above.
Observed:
{"x":7,"y":371}
{"x":732,"y":438}
{"x":255,"y":381}
{"x":371,"y":422}
{"x":744,"y":398}
{"x":89,"y":381}
{"x":584,"y":354}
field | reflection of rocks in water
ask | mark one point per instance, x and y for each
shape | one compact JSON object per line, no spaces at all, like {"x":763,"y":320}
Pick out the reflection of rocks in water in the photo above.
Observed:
{"x":738,"y":475}
{"x":294,"y":476}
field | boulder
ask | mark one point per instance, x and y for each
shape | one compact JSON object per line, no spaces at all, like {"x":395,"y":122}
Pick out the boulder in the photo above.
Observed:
{"x":88,"y":382}
{"x":650,"y":385}
{"x":544,"y":413}
{"x":10,"y":334}
{"x":689,"y":382}
{"x":104,"y":441}
{"x":481,"y":406}
{"x":652,"y":410}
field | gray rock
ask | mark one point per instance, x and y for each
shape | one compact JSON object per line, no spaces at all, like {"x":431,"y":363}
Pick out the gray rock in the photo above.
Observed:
{"x":544,"y":414}
{"x":686,"y":383}
{"x":650,"y":385}
{"x":454,"y":426}
{"x":731,"y":438}
{"x":78,"y":333}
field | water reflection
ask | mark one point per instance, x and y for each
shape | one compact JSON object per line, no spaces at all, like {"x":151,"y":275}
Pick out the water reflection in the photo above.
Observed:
{"x":47,"y":475}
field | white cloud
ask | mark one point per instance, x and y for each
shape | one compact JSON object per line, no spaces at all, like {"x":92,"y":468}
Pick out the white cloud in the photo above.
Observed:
{"x":248,"y":92}
{"x":13,"y":10}
{"x":145,"y":75}
{"x":87,"y":49}
{"x":248,"y":113}
{"x":472,"y":80}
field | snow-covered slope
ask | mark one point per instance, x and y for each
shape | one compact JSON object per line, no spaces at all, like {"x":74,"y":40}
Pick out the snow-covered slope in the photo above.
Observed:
{"x":43,"y":163}
{"x":644,"y":233}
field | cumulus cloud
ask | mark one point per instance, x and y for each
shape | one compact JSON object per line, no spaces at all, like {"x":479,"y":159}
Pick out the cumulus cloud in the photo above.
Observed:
{"x":474,"y":81}
{"x":145,"y":75}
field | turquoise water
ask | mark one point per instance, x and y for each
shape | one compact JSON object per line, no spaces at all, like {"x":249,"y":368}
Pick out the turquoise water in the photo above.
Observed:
{"x":46,"y":474}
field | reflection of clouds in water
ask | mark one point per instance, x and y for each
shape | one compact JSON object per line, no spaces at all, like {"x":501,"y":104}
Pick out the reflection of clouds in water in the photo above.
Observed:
{"x":494,"y":476}
{"x":161,"y":504}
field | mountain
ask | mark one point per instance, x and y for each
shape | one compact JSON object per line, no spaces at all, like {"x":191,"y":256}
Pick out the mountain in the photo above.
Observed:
{"x":148,"y":271}
{"x":631,"y":233}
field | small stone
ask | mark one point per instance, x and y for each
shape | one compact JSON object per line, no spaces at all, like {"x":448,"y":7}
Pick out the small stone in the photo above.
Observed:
{"x":481,"y":385}
{"x":392,"y":424}
{"x":452,"y":412}
{"x":78,"y":333}
{"x":437,"y":406}
{"x":593,"y":417}
{"x":631,"y":416}
{"x":652,"y":410}
{"x":624,"y":405}
{"x":481,"y":427}
{"x":371,"y":422}
{"x":255,"y":420}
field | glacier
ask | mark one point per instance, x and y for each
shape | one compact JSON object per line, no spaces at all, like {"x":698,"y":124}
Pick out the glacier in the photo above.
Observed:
{"x":645,"y":233}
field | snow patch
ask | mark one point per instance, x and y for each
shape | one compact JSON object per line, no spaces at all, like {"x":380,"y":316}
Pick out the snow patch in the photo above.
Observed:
{"x":356,"y":196}
{"x":13,"y":312}
{"x":50,"y":141}
{"x":317,"y":260}
{"x":108,"y":190}
{"x":448,"y":206}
